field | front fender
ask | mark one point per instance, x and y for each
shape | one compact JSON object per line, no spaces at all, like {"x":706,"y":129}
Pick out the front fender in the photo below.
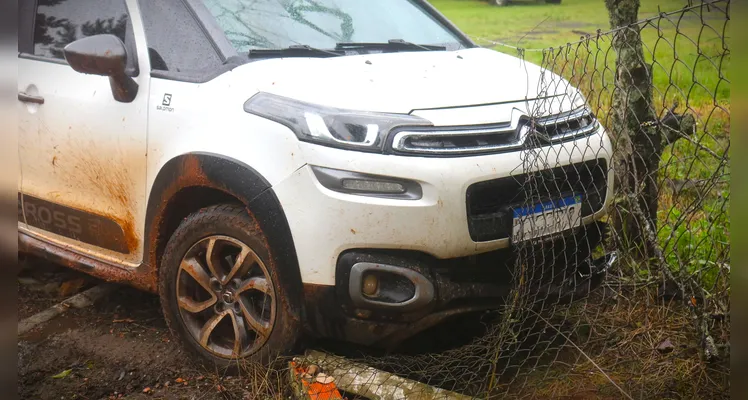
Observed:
{"x":236,"y":179}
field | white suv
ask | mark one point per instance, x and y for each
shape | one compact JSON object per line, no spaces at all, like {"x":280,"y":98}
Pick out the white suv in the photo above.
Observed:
{"x":278,"y":169}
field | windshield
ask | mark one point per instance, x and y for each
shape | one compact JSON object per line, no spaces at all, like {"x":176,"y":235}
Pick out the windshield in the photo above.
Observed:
{"x":278,"y":24}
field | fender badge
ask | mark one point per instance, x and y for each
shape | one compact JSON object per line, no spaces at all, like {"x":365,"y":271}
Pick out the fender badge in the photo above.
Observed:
{"x":166,"y":103}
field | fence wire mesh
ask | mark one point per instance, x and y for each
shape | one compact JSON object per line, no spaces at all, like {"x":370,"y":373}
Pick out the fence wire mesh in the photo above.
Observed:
{"x":657,"y":324}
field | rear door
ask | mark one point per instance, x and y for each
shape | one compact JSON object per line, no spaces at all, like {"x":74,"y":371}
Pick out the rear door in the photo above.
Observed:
{"x":83,"y":153}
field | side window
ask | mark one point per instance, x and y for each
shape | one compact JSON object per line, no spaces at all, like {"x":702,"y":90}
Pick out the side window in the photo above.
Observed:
{"x":176,"y":41}
{"x":60,"y":22}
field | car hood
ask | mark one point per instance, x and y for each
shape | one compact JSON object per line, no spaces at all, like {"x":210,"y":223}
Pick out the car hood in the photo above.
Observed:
{"x":405,"y":81}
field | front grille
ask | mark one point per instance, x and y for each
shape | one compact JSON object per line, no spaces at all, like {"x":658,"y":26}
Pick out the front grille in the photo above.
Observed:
{"x":459,"y":140}
{"x":525,"y":133}
{"x":490,"y":203}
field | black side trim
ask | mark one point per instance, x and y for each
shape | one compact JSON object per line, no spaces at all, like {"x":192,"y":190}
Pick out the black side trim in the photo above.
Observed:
{"x":269,"y":213}
{"x":21,"y":218}
{"x":136,"y":277}
{"x":233,"y":175}
{"x":76,"y":224}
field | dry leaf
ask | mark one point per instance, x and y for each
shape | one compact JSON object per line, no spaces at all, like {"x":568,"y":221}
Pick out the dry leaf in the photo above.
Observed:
{"x":71,"y":287}
{"x":63,"y":374}
{"x":665,"y":347}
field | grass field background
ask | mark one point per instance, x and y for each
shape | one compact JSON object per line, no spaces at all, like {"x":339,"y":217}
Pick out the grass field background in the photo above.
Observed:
{"x":688,"y":54}
{"x":534,"y":24}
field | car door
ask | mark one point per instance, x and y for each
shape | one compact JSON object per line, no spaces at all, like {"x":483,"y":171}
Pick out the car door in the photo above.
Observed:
{"x":82,"y":152}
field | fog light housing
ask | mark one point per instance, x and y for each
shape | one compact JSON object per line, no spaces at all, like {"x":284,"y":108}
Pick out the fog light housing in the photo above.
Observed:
{"x":382,"y":286}
{"x":367,"y":185}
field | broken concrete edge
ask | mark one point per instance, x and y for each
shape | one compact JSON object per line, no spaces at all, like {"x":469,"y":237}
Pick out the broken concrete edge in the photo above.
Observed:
{"x":363,"y":380}
{"x":80,"y":300}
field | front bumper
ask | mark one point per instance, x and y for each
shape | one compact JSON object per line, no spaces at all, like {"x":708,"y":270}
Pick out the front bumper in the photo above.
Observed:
{"x":464,"y":267}
{"x":325,"y":223}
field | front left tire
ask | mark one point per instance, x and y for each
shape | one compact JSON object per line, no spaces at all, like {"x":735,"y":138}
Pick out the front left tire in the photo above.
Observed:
{"x":221,"y":293}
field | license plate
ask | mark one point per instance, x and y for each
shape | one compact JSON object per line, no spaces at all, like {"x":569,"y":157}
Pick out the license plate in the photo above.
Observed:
{"x":546,"y":218}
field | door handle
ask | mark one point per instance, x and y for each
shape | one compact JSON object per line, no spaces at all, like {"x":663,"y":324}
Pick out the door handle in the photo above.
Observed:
{"x":30,"y":99}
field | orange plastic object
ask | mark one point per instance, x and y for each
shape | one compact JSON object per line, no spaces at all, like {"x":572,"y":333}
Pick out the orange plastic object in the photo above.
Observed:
{"x":316,"y":390}
{"x":322,"y":391}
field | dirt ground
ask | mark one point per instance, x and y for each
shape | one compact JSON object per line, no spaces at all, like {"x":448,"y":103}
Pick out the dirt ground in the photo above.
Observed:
{"x":119,"y":348}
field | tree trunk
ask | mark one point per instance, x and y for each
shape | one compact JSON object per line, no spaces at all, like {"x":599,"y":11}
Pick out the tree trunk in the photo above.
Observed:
{"x":635,"y":132}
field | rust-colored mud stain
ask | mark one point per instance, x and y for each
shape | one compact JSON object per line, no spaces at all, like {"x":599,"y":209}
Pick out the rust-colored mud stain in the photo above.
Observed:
{"x":111,"y":178}
{"x":193,"y":171}
{"x":128,"y":227}
{"x":190,"y":173}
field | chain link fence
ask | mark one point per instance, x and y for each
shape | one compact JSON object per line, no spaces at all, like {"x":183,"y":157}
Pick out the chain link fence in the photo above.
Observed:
{"x":657,"y":324}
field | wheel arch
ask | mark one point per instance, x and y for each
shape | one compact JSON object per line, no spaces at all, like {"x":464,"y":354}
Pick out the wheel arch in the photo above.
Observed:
{"x":192,"y":181}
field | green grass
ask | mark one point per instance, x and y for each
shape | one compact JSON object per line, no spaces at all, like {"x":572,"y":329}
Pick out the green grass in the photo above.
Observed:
{"x":531,"y":24}
{"x":689,"y":59}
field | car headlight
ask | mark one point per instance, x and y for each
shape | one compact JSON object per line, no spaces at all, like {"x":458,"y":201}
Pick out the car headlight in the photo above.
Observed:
{"x":350,"y":129}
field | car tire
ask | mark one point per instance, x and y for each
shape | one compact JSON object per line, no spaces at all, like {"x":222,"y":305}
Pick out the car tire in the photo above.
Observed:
{"x":206,"y":307}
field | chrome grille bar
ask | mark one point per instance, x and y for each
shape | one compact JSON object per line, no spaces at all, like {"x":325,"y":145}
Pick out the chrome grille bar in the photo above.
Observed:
{"x":506,"y":137}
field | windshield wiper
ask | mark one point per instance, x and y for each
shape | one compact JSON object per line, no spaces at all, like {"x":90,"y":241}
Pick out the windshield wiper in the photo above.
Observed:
{"x":341,"y":49}
{"x":298,"y":50}
{"x":391,"y":45}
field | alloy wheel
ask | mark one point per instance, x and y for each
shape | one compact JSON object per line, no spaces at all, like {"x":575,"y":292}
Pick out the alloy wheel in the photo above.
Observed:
{"x":226,"y":297}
